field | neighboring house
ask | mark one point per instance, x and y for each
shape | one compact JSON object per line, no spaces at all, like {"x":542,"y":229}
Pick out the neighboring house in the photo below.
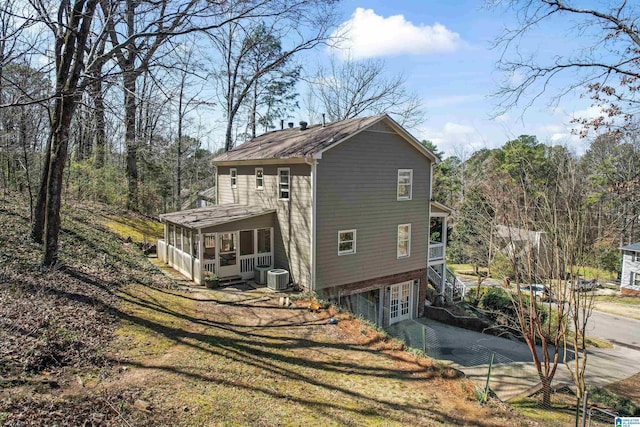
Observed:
{"x":200,"y":200}
{"x":344,"y":207}
{"x":522,"y":244}
{"x":630,"y":275}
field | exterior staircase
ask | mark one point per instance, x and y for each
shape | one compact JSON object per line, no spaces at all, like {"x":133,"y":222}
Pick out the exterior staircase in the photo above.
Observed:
{"x":230,"y":281}
{"x":454,"y":289}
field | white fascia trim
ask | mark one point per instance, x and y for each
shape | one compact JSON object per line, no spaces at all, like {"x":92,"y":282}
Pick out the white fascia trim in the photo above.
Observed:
{"x":258,"y":162}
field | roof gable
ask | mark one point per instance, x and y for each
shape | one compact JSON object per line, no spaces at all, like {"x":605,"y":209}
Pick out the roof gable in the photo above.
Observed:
{"x":295,"y":143}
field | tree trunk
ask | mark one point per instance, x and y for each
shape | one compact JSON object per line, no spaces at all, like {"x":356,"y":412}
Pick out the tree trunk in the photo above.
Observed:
{"x":99,"y":121}
{"x":59,"y":146}
{"x":546,"y":390}
{"x":130,"y":138}
{"x":179,"y":153}
{"x":25,"y":159}
{"x":227,"y":140}
{"x":37,"y":228}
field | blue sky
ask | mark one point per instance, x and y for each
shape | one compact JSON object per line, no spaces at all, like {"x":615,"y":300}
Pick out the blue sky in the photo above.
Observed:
{"x":444,"y":49}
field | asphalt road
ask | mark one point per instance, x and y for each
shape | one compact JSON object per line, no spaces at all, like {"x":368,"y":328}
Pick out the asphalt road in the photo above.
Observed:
{"x":513,"y":371}
{"x":620,"y":331}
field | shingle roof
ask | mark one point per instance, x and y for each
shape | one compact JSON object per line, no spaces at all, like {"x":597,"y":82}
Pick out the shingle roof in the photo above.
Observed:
{"x":297,"y":143}
{"x":213,"y":215}
{"x":635,"y":247}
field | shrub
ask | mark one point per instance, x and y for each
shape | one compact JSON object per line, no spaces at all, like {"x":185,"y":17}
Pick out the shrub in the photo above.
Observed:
{"x":616,"y":402}
{"x":474,"y":295}
{"x":496,"y":299}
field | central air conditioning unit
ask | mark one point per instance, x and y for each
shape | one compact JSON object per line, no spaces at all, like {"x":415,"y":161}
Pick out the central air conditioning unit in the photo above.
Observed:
{"x":261,"y":274}
{"x":278,"y":279}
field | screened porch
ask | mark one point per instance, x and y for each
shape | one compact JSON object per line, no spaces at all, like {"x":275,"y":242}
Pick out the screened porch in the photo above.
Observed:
{"x":227,"y":240}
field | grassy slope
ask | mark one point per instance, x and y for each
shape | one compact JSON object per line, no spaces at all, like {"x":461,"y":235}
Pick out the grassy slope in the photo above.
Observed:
{"x":127,"y":348}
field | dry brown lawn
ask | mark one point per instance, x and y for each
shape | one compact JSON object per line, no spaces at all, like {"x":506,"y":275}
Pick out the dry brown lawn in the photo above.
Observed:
{"x":216,"y":357}
{"x":106,"y":339}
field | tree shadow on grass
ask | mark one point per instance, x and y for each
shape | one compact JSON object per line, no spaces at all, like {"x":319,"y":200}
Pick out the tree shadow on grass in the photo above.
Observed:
{"x":265,"y":352}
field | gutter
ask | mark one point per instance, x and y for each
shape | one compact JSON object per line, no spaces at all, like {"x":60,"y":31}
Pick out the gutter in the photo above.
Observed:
{"x":314,"y":181}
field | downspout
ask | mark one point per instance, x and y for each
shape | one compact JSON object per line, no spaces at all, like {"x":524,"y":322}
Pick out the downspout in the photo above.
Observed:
{"x":314,"y":181}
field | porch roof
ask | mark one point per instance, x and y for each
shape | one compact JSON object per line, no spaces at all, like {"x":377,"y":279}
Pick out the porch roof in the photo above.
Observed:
{"x":635,"y":247}
{"x":211,"y":216}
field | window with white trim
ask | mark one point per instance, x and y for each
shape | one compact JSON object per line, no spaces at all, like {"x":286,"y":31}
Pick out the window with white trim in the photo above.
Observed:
{"x":284,"y":183}
{"x":346,"y":242}
{"x":259,"y":179}
{"x":404,"y":241}
{"x":233,"y":173}
{"x":405,"y":183}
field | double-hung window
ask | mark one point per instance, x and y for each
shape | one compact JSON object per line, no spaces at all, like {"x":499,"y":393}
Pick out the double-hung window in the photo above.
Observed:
{"x":346,"y":242}
{"x":404,"y":241}
{"x":233,"y":173}
{"x":284,"y":183}
{"x":405,"y":182}
{"x":259,"y":179}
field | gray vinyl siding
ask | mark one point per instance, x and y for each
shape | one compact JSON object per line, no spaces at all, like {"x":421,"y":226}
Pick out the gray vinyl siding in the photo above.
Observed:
{"x":628,"y":268}
{"x":292,"y":241}
{"x":357,"y":189}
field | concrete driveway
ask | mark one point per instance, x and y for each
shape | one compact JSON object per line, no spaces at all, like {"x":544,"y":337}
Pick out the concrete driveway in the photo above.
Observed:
{"x":513,"y":371}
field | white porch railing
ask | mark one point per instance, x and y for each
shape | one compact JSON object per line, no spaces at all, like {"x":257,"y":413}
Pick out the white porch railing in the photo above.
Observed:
{"x":170,"y":255}
{"x":265,"y":259}
{"x":247,"y":265}
{"x":161,"y":250}
{"x":208,"y":266}
{"x":182,"y":262}
{"x":436,"y":251}
{"x":192,"y":268}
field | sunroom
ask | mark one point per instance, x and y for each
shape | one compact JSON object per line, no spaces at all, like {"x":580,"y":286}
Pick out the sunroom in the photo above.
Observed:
{"x":228,"y":240}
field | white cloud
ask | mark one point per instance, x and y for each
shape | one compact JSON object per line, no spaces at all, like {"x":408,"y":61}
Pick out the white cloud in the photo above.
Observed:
{"x":503,"y":118}
{"x":452,"y":137}
{"x":448,"y":101}
{"x":368,"y":35}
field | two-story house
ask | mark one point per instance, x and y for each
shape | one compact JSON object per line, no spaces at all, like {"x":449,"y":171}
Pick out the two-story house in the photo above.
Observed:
{"x":344,"y":207}
{"x":630,"y":274}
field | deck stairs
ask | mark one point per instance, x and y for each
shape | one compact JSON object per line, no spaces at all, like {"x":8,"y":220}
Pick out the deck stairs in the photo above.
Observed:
{"x":454,"y":289}
{"x":231,"y":281}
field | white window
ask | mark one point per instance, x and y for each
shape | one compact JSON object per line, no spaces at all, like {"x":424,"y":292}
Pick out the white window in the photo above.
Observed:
{"x":233,"y":173}
{"x":259,"y":179}
{"x":284,"y":181}
{"x":346,"y":242}
{"x":405,"y":181}
{"x":404,"y":240}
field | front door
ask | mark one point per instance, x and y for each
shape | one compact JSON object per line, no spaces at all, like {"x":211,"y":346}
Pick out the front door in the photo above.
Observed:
{"x":228,"y":254}
{"x":400,"y":302}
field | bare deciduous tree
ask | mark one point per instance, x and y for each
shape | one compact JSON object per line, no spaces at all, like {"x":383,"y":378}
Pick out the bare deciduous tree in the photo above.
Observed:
{"x":606,"y":67}
{"x":304,"y":25}
{"x":349,"y":88}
